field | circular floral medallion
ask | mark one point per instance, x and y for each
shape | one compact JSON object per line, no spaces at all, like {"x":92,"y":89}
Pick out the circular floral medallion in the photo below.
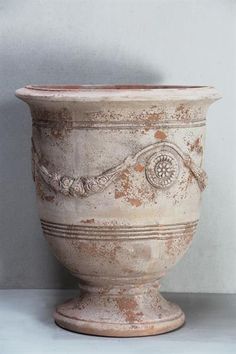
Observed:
{"x":162,"y":169}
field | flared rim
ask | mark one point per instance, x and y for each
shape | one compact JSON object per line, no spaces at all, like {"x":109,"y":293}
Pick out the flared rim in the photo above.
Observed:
{"x":124,"y":93}
{"x":109,"y":87}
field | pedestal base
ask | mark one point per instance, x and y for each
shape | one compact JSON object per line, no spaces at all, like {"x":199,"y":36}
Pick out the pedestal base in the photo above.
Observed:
{"x":120,"y":312}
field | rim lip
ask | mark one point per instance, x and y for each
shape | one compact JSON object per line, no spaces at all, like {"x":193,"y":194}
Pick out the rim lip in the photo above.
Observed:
{"x":103,"y":87}
{"x":121,"y":93}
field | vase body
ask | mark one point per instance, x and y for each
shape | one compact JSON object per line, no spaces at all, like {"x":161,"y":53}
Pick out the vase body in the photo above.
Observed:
{"x":118,"y":175}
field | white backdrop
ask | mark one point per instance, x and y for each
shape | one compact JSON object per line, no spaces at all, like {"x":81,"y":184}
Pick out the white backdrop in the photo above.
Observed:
{"x":130,"y":41}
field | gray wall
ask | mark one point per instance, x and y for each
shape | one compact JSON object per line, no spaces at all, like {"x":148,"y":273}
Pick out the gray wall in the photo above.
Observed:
{"x":101,"y":41}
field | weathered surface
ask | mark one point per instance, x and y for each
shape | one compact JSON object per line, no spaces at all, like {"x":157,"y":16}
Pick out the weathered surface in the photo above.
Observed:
{"x":118,"y":174}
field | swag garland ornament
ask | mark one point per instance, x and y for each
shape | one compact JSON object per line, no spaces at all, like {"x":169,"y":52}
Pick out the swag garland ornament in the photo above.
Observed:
{"x":162,"y":170}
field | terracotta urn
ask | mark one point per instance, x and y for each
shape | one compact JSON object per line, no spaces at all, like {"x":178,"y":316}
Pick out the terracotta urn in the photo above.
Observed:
{"x":118,"y":174}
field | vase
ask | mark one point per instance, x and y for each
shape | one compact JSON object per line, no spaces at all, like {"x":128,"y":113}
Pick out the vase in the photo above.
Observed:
{"x":118,"y":175}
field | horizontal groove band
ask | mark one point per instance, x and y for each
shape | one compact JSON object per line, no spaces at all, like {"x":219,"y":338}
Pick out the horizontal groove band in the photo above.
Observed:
{"x":117,"y":125}
{"x":115,"y":232}
{"x":82,"y":232}
{"x":117,"y":237}
{"x":125,"y":228}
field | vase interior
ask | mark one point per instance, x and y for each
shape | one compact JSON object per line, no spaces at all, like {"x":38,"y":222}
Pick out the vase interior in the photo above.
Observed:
{"x":109,"y":87}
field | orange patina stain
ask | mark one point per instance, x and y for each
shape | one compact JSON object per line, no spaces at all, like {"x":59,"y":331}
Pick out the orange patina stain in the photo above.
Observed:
{"x":139,"y":167}
{"x":119,"y":194}
{"x":175,"y":247}
{"x":152,"y":117}
{"x":98,"y":251}
{"x":128,"y":307}
{"x":160,"y":135}
{"x":125,"y":183}
{"x":125,"y":188}
{"x":135,"y":202}
{"x":182,"y":112}
{"x":196,"y":146}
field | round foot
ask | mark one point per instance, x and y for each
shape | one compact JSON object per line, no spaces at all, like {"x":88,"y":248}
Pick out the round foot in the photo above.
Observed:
{"x":120,"y":312}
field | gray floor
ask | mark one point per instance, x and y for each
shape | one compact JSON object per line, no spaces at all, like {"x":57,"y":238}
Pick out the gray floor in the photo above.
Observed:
{"x":27,"y":327}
